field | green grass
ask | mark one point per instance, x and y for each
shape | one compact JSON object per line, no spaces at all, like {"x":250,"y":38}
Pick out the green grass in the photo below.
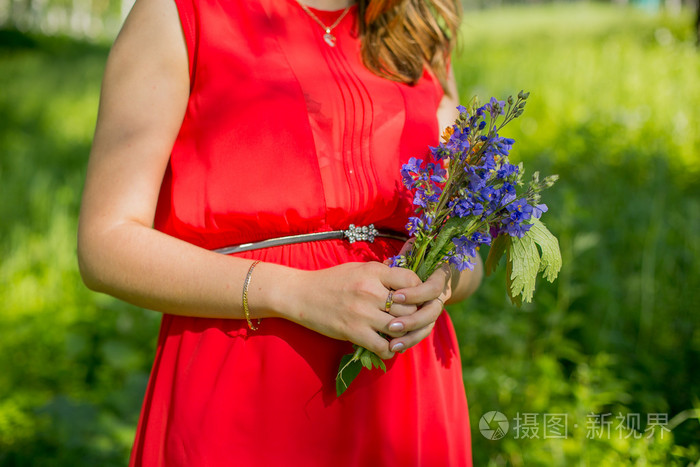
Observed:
{"x":75,"y":364}
{"x":614,"y":110}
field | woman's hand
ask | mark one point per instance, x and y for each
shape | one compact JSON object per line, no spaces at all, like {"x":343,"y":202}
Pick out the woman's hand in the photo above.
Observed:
{"x":429,"y":297}
{"x":348,"y":302}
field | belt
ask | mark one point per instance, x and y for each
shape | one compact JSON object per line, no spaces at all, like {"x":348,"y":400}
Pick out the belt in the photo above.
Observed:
{"x":365,"y":233}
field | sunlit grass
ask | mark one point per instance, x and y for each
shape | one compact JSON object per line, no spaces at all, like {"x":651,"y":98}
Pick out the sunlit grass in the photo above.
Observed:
{"x":630,"y":78}
{"x":615,"y":110}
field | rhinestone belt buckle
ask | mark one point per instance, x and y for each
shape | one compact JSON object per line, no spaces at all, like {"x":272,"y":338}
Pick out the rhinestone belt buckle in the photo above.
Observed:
{"x":365,"y":233}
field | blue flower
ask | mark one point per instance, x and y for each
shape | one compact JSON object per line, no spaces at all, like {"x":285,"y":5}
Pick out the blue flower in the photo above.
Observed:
{"x":503,"y":145}
{"x":413,"y":165}
{"x":461,"y":262}
{"x":506,"y":170}
{"x":489,"y":162}
{"x":407,"y":179}
{"x":414,"y":225}
{"x":516,"y":229}
{"x":481,"y":238}
{"x":495,"y":107}
{"x":489,"y":193}
{"x":520,"y":209}
{"x":464,"y":246}
{"x":398,"y":261}
{"x":440,"y":152}
{"x":420,"y":199}
{"x":439,"y":173}
{"x":477,"y":209}
{"x":538,"y":210}
{"x":476,"y":182}
{"x":507,"y":193}
{"x":461,"y":208}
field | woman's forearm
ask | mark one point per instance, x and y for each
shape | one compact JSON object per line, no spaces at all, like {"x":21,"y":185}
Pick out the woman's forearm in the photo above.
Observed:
{"x":153,"y":270}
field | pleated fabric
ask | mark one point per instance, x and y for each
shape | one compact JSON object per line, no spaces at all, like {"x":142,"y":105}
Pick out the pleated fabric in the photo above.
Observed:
{"x":285,"y":135}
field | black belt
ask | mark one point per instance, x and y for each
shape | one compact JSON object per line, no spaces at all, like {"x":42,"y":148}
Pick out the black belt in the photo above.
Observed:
{"x":365,"y":233}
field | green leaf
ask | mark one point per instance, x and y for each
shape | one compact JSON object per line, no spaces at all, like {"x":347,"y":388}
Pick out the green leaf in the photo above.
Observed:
{"x":525,"y":261}
{"x":378,"y":362}
{"x":366,"y":359}
{"x":350,"y":367}
{"x":550,"y":262}
{"x":524,"y":264}
{"x":515,"y":299}
{"x":498,"y":247}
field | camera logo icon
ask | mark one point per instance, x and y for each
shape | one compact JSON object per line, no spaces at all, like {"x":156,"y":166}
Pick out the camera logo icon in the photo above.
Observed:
{"x":493,"y":425}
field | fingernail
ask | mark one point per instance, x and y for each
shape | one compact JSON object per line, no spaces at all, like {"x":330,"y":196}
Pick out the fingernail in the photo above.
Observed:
{"x":395,"y":327}
{"x":399,"y":298}
{"x":398,"y":347}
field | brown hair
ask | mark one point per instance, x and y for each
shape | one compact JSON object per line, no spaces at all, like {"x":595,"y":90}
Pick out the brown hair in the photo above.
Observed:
{"x":401,"y":37}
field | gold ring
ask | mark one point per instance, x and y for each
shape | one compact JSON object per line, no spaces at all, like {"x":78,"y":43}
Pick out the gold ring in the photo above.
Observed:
{"x":389,"y":301}
{"x":443,"y":303}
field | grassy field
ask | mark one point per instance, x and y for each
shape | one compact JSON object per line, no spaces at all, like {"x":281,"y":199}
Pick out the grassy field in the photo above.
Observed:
{"x":614,"y":110}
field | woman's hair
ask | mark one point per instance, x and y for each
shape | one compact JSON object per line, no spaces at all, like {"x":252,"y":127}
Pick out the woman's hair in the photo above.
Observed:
{"x":400,"y":37}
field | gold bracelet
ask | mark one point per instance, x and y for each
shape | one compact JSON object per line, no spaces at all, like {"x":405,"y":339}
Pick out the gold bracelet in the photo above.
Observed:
{"x":246,"y":283}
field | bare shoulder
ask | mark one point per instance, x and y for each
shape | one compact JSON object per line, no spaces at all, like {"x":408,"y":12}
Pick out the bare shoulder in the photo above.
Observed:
{"x":144,"y":96}
{"x":147,"y":76}
{"x":151,"y":32}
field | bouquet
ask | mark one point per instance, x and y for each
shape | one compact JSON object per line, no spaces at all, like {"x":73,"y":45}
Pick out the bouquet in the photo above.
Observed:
{"x":468,"y":196}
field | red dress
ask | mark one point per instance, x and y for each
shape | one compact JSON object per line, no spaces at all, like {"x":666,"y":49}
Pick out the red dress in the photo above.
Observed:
{"x":285,"y":135}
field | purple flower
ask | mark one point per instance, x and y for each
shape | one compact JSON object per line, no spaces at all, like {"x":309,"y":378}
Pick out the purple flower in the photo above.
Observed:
{"x":489,"y":193}
{"x":503,"y":145}
{"x":516,"y":229}
{"x":495,"y":107}
{"x":407,"y":179}
{"x":506,"y":170}
{"x":414,"y":225}
{"x":519,"y":210}
{"x":538,"y":210}
{"x":440,"y":152}
{"x":464,"y":246}
{"x":489,"y":162}
{"x":413,"y":165}
{"x":461,"y":262}
{"x":420,"y":199}
{"x":476,"y":182}
{"x":439,"y":173}
{"x":481,"y":238}
{"x":461,"y":208}
{"x":398,"y":261}
{"x":507,"y":193}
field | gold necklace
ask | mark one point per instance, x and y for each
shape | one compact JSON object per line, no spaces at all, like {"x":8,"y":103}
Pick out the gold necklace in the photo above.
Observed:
{"x":327,"y":37}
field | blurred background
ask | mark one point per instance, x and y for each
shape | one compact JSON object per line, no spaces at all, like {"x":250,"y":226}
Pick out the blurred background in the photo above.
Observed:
{"x":602,"y":369}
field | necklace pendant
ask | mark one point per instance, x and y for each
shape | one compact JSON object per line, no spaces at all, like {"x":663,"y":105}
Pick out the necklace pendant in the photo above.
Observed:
{"x":329,"y":38}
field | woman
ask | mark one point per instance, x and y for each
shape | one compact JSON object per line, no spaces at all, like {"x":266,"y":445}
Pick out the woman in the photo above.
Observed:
{"x":227,"y":123}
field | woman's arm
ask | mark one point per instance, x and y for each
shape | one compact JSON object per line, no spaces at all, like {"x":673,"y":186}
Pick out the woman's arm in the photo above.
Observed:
{"x":143,"y":101}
